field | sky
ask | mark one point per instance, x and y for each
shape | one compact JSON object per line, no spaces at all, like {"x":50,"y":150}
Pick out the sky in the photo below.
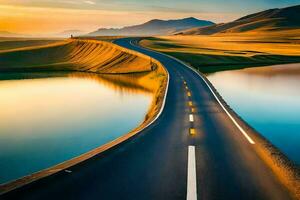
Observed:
{"x":54,"y":16}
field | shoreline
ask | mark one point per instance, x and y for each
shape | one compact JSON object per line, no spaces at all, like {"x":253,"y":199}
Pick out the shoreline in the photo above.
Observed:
{"x":152,"y":115}
{"x":285,"y":170}
{"x":218,"y":67}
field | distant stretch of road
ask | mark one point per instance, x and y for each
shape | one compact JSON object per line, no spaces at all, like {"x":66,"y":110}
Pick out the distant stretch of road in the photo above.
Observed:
{"x":194,"y":150}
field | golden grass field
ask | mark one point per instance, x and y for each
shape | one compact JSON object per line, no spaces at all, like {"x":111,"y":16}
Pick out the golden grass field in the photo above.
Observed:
{"x":75,"y":55}
{"x":230,"y":51}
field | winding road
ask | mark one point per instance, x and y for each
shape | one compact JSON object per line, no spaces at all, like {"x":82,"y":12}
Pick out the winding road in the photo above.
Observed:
{"x":194,"y":150}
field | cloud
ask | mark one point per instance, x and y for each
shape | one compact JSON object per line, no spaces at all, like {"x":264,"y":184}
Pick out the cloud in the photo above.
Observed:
{"x":170,"y":9}
{"x":70,"y":2}
{"x":90,"y":2}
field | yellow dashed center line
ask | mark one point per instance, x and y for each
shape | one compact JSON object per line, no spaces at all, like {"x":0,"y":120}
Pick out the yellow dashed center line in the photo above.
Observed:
{"x":192,"y":131}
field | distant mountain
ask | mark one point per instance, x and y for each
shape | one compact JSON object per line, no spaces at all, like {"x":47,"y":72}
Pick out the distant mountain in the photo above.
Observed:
{"x":269,"y":20}
{"x":9,"y":34}
{"x":68,"y":33}
{"x":154,"y":27}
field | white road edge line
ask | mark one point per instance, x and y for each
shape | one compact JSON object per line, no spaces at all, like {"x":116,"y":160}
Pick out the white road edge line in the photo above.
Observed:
{"x":229,"y":115}
{"x":191,"y":176}
{"x":191,"y":117}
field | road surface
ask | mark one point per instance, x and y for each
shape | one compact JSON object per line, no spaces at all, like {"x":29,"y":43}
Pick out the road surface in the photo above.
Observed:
{"x":194,"y":150}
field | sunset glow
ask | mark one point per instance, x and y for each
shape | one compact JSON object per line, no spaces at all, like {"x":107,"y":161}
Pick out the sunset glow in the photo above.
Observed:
{"x":159,"y":99}
{"x":47,"y":17}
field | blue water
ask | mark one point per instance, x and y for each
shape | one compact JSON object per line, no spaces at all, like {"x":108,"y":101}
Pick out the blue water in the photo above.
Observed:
{"x":46,"y":121}
{"x":268,"y":98}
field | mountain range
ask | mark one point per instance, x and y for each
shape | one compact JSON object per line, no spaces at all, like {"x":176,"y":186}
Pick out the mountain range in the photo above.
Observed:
{"x":268,"y":20}
{"x":153,"y":27}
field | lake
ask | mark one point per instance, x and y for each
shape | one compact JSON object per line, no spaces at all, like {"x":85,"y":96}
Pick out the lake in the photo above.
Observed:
{"x":48,"y":118}
{"x":268,"y":98}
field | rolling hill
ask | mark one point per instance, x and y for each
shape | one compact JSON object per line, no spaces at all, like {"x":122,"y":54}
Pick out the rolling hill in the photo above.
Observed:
{"x":10,"y":34}
{"x":268,"y":20}
{"x":153,"y":27}
{"x":75,"y":55}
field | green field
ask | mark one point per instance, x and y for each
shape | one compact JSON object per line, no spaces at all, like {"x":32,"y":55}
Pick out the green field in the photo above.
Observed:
{"x":228,"y":51}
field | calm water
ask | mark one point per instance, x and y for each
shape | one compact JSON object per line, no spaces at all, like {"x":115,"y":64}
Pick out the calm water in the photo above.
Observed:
{"x":268,"y":98}
{"x":46,"y":121}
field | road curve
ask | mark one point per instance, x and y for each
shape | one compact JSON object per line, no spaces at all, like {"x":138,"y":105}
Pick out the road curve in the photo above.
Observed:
{"x":194,"y":150}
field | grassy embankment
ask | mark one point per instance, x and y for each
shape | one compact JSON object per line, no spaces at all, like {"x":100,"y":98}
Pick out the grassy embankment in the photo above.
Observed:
{"x":75,"y":55}
{"x":134,"y":70}
{"x":231,"y":50}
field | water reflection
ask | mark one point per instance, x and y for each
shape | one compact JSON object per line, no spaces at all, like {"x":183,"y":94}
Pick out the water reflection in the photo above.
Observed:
{"x":268,"y":98}
{"x":48,"y":118}
{"x":123,"y":83}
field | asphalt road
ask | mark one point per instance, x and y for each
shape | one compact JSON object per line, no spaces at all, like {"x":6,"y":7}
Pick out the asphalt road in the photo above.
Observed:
{"x":166,"y":161}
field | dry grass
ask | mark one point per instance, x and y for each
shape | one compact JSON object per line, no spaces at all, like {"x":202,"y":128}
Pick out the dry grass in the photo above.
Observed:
{"x":244,"y":45}
{"x":229,"y":51}
{"x":76,"y":55}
